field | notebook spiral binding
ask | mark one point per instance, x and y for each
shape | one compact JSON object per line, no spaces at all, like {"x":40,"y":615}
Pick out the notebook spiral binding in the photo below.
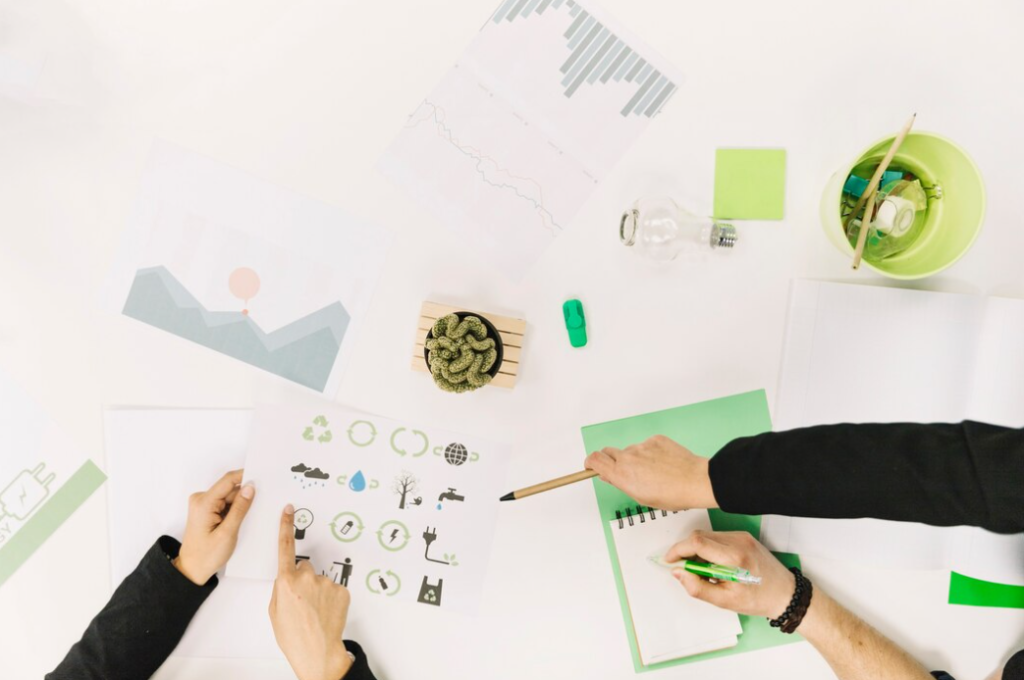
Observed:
{"x":639,"y":512}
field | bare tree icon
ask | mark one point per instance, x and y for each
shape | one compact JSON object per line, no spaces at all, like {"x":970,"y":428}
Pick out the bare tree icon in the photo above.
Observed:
{"x":404,"y":485}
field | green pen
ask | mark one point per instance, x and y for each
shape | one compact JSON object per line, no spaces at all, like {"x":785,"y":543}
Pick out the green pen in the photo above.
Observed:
{"x":712,"y":571}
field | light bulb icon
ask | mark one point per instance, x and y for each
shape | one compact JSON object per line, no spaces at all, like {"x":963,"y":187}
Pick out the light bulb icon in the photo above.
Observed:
{"x":303,"y":518}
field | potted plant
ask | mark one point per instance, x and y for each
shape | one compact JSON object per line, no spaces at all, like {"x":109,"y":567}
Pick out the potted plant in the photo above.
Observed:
{"x":463,"y":352}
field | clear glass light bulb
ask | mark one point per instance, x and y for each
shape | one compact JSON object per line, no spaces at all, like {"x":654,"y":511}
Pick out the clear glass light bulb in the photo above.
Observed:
{"x":659,"y":229}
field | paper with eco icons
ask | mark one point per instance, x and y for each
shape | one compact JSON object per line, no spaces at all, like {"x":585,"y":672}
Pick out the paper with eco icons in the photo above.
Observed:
{"x":395,"y":511}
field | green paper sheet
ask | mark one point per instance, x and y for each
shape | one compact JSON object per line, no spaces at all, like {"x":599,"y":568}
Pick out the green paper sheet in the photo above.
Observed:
{"x":704,"y":428}
{"x":978,"y":593}
{"x":750,"y":184}
{"x":49,"y":517}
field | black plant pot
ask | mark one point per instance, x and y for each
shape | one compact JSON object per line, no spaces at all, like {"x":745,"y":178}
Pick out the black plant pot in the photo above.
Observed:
{"x":492,"y":332}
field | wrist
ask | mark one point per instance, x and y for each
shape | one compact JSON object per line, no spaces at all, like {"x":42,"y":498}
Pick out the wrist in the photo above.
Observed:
{"x":818,"y":612}
{"x":188,"y":571}
{"x":705,"y":491}
{"x":783,"y":594}
{"x":340,"y":662}
{"x":796,"y":610}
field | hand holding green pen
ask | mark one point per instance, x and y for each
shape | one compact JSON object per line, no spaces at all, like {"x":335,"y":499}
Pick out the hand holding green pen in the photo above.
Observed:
{"x":716,"y":572}
{"x":737,"y":548}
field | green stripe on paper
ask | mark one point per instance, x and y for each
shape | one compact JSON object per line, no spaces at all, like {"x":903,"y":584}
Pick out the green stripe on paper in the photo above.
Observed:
{"x":48,"y":518}
{"x":978,"y":593}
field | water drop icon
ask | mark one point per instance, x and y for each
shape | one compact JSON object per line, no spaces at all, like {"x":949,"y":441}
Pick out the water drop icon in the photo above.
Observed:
{"x":438,"y":506}
{"x":358,"y":481}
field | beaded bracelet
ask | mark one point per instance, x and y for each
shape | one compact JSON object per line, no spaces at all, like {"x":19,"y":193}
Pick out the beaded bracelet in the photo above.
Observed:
{"x":788,"y":621}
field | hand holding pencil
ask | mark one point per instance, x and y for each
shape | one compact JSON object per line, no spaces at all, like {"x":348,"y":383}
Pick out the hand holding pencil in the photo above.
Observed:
{"x":657,"y":472}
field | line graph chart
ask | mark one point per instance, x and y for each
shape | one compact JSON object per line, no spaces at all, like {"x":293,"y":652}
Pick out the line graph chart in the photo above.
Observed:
{"x":512,"y":142}
{"x":490,"y":171}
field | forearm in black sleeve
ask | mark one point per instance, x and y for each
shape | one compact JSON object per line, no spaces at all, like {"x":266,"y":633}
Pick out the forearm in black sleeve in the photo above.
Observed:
{"x":940,"y":474}
{"x":1014,"y":669}
{"x":142,"y":623}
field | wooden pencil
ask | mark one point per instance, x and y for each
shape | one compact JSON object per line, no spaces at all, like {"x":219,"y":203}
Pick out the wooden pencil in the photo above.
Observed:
{"x":549,"y":485}
{"x":865,"y":225}
{"x":872,"y":188}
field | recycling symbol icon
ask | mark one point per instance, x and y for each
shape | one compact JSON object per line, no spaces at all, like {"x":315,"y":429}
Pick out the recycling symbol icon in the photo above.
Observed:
{"x":383,"y":582}
{"x":362,"y":433}
{"x":401,"y":451}
{"x":318,"y":431}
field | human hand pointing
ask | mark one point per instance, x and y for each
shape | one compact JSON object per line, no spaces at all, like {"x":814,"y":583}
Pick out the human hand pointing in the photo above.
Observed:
{"x":657,"y":472}
{"x":308,"y":613}
{"x":211,"y":531}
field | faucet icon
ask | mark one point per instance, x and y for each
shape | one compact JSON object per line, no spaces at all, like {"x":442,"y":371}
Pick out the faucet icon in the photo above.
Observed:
{"x":450,"y":495}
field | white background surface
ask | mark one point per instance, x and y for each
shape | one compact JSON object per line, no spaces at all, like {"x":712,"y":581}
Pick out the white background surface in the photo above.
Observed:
{"x":307,"y":94}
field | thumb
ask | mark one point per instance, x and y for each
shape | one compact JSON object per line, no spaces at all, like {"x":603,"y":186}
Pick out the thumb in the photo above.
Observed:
{"x":239,"y":508}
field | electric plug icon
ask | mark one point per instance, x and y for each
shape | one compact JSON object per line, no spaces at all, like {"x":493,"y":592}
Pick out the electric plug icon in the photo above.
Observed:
{"x":429,"y":536}
{"x":23,"y":495}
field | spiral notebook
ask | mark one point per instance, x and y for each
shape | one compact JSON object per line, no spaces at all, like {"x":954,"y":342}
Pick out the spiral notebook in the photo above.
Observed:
{"x":705,"y":427}
{"x":667,"y":622}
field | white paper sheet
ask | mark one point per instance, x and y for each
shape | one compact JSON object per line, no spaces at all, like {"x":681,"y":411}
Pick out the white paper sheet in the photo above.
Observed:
{"x":24,"y":43}
{"x":345,"y":473}
{"x":515,"y":138}
{"x":876,"y":354}
{"x":669,"y":624}
{"x":157,"y":458}
{"x":245,"y":268}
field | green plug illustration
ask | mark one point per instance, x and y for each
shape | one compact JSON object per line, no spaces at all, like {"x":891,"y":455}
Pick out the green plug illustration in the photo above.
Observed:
{"x":460,"y":353}
{"x":23,"y":495}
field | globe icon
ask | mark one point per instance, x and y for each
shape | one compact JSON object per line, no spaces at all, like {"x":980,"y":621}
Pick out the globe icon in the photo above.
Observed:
{"x":455,"y":454}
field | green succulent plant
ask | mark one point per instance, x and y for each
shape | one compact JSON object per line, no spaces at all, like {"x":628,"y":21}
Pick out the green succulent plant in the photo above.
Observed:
{"x":460,"y":353}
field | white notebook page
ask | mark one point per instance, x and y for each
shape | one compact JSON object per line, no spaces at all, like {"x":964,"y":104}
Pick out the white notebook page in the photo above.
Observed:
{"x":669,"y":624}
{"x":879,"y":354}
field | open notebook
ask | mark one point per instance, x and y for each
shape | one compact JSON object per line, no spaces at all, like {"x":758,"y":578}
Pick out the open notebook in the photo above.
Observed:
{"x":934,"y":357}
{"x":667,"y":622}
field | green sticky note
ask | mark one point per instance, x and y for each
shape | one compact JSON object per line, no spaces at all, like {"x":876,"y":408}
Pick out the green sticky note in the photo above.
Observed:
{"x":978,"y":593}
{"x":704,"y":428}
{"x":750,"y":184}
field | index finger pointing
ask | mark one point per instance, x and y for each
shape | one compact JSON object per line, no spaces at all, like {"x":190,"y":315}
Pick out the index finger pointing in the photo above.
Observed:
{"x":286,"y":541}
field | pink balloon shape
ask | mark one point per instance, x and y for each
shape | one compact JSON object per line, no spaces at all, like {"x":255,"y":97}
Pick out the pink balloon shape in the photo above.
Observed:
{"x":244,"y":283}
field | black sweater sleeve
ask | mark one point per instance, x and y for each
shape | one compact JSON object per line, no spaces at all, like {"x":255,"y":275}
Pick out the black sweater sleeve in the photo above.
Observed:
{"x":940,"y":474}
{"x":360,"y":670}
{"x":1014,"y":669}
{"x":144,"y":621}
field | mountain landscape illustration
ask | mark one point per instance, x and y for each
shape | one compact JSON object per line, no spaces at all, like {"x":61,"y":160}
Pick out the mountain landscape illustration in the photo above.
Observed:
{"x":303,"y":351}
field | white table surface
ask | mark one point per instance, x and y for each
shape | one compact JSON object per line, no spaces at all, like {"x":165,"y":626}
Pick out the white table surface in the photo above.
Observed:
{"x":270,"y":87}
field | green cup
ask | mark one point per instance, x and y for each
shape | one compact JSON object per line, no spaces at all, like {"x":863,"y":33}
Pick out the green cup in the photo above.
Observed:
{"x":954,"y":220}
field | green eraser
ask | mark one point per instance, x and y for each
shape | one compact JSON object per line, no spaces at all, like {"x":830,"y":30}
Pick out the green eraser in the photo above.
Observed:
{"x":575,"y":322}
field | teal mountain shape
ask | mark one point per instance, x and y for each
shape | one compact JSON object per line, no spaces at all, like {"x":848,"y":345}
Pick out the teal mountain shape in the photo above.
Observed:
{"x":304,"y":351}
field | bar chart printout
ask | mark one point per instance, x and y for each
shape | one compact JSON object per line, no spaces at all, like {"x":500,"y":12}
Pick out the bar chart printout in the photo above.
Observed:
{"x":515,"y":138}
